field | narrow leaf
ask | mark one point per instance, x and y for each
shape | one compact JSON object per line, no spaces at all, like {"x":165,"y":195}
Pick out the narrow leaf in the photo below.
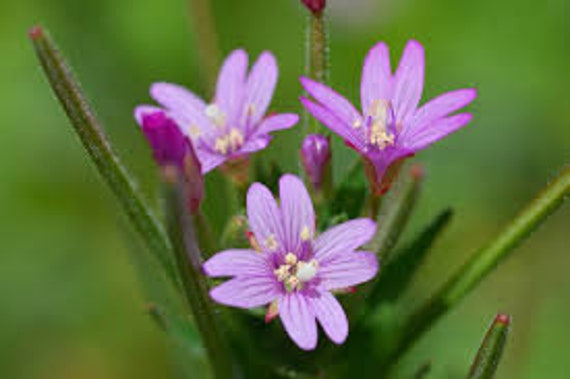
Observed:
{"x":489,"y":354}
{"x":481,"y":264}
{"x":95,"y":141}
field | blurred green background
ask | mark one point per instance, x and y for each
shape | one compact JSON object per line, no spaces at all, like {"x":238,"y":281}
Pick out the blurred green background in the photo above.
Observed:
{"x":70,"y":302}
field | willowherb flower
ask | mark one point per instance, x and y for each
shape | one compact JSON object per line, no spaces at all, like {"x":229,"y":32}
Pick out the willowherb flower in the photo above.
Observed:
{"x":315,"y":156}
{"x":233,"y":125}
{"x":292,"y":268}
{"x":391,"y":125}
{"x":172,"y":149}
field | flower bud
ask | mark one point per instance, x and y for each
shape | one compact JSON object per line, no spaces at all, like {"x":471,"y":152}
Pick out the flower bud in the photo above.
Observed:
{"x":169,"y":146}
{"x":315,"y":155}
{"x":174,"y":153}
{"x":315,"y":6}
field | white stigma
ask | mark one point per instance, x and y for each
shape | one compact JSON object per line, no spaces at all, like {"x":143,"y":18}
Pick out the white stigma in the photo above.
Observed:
{"x":307,"y":271}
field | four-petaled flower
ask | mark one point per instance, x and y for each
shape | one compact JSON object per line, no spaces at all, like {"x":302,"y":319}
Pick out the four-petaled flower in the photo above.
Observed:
{"x":293,"y":268}
{"x":233,"y":124}
{"x":391,"y":126}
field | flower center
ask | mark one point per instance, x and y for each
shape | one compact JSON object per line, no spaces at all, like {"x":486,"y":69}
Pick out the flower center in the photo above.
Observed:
{"x":229,"y":142}
{"x":294,"y":273}
{"x":379,"y":125}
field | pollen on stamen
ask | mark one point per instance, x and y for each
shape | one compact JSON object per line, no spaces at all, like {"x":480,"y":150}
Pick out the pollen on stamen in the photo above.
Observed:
{"x":222,"y":144}
{"x":291,"y":259}
{"x":215,"y":114}
{"x":194,"y":131}
{"x":305,"y":233}
{"x":270,"y":242}
{"x":357,"y":123}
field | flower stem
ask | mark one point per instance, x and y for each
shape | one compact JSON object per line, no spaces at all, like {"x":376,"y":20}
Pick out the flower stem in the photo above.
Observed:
{"x":394,"y":218}
{"x":481,"y":264}
{"x":206,"y":39}
{"x":188,"y":258}
{"x":100,"y":150}
{"x":317,"y":58}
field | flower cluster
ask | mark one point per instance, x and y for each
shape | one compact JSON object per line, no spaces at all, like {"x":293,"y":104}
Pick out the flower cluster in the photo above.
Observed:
{"x":290,"y":267}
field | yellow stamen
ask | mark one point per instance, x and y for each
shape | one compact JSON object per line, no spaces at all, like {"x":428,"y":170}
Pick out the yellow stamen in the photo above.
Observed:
{"x":305,"y":233}
{"x":271,"y":242}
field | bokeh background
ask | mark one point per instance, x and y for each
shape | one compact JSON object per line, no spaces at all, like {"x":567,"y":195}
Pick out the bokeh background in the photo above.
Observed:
{"x":70,"y":302}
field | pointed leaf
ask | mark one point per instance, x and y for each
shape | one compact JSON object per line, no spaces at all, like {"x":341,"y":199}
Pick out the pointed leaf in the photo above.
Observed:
{"x":100,"y":150}
{"x":397,"y":274}
{"x":489,"y":354}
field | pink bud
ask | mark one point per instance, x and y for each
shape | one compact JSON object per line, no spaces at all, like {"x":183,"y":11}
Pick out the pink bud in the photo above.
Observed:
{"x":316,"y":156}
{"x":174,"y":153}
{"x":169,"y":146}
{"x":315,"y":6}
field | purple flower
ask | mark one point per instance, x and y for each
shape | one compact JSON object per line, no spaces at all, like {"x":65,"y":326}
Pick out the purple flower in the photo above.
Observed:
{"x":315,"y":155}
{"x":391,"y":125}
{"x":233,"y":124}
{"x":294,"y":268}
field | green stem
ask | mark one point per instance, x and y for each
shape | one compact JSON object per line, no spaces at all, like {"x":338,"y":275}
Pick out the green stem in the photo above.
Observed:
{"x":481,"y":264}
{"x":206,"y":39}
{"x":100,"y":150}
{"x":489,"y":354}
{"x":188,"y":258}
{"x":317,"y":58}
{"x":394,"y":218}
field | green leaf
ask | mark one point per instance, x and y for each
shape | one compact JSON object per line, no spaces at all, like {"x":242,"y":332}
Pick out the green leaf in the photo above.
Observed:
{"x":100,"y":150}
{"x":397,"y":274}
{"x":481,"y":264}
{"x":489,"y":354}
{"x":349,"y":198}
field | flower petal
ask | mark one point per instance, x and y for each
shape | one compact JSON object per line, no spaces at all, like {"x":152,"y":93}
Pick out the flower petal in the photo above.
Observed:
{"x":237,"y":262}
{"x":208,"y":160}
{"x":254,"y":144}
{"x":409,"y":81}
{"x":296,"y":211}
{"x":330,"y":314}
{"x":376,"y":80}
{"x":298,"y":318}
{"x":422,"y":138}
{"x":334,"y":102}
{"x":260,"y":86}
{"x":187,"y":109}
{"x":142,"y":110}
{"x":264,"y":216}
{"x":344,"y":238}
{"x":334,"y":123}
{"x":276,"y":122}
{"x":230,"y":88}
{"x":246,"y":292}
{"x":349,"y":269}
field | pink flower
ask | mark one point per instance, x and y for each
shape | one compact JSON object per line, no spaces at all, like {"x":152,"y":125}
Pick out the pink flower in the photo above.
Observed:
{"x":294,"y":268}
{"x":391,"y":126}
{"x":233,"y":125}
